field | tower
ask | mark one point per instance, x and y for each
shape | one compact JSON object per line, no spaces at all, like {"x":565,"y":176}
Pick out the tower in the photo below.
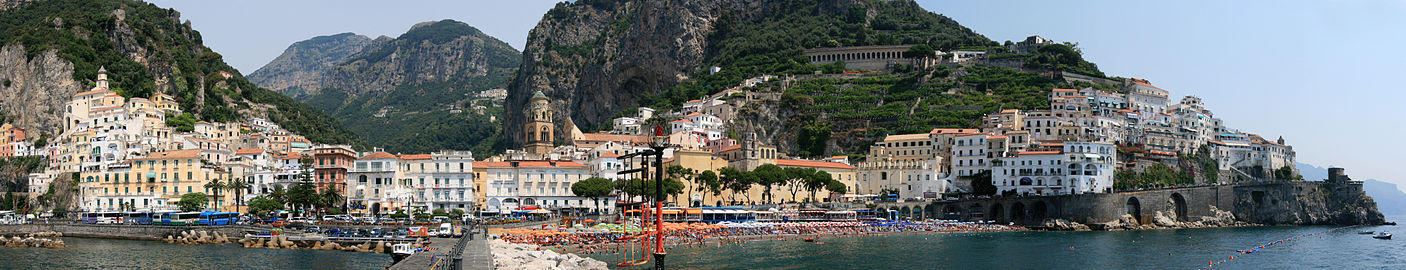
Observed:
{"x":539,"y":135}
{"x":102,"y":78}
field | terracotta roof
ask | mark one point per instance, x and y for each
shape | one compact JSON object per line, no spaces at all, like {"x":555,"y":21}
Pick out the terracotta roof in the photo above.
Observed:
{"x":249,"y":151}
{"x":812,"y":164}
{"x":291,"y":156}
{"x":839,"y":157}
{"x":1039,"y":153}
{"x":379,"y":155}
{"x":1010,"y":111}
{"x":693,"y":101}
{"x":682,"y":121}
{"x":730,"y":148}
{"x":609,"y":155}
{"x":903,"y":137}
{"x":416,"y":157}
{"x":178,"y":154}
{"x":996,"y":137}
{"x":693,"y":114}
{"x":953,"y":130}
{"x":969,"y":134}
{"x":1063,"y":90}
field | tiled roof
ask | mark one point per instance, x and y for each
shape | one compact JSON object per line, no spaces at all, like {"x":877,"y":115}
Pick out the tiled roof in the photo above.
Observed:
{"x":609,"y":155}
{"x":730,"y":148}
{"x":903,"y":137}
{"x":379,"y":155}
{"x":249,"y":151}
{"x":177,"y":154}
{"x":953,"y":130}
{"x":812,"y":164}
{"x":416,"y":157}
{"x":1063,"y":90}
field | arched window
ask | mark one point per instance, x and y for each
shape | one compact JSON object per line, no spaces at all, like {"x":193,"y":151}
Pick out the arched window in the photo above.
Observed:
{"x":1090,"y":170}
{"x":545,"y":133}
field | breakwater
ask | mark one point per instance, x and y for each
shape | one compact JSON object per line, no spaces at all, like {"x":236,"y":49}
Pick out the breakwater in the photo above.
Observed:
{"x":1277,"y":203}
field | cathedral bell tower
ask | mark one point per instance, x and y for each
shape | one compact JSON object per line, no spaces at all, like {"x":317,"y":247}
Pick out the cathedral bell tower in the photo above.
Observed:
{"x":538,"y":132}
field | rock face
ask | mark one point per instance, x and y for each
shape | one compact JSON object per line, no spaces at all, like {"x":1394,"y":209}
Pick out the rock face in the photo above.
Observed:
{"x":429,"y":52}
{"x":35,"y":90}
{"x":596,"y":59}
{"x":1306,"y":203}
{"x":522,"y":256}
{"x":299,"y":70}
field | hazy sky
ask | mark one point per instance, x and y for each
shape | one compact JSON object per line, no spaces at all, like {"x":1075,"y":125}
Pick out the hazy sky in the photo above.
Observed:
{"x":1323,"y":74}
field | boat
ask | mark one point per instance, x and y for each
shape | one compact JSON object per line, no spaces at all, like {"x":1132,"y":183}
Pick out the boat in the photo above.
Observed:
{"x":1365,"y":232}
{"x":1245,"y":251}
{"x":1382,"y":235}
{"x":810,"y":239}
{"x":402,"y":251}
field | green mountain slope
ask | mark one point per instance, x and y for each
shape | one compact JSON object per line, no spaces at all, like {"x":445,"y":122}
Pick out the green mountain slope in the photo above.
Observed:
{"x":147,"y":49}
{"x":415,"y":93}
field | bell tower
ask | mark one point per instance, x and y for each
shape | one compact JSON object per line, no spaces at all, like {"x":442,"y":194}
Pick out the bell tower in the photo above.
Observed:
{"x":539,"y":130}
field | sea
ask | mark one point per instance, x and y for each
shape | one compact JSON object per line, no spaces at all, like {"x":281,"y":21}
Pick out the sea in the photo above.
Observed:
{"x":1203,"y":248}
{"x":1325,"y":248}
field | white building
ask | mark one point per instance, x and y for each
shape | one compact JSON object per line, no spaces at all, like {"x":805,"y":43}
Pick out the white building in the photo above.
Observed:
{"x":513,"y":185}
{"x":443,"y":180}
{"x":1077,"y":168}
{"x":969,"y":155}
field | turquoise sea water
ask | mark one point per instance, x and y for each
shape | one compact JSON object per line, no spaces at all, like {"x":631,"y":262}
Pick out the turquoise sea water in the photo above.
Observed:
{"x":1150,"y":249}
{"x":84,"y":253}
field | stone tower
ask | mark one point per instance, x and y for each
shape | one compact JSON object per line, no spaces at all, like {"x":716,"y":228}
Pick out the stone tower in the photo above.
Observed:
{"x":102,"y":78}
{"x":540,"y":137}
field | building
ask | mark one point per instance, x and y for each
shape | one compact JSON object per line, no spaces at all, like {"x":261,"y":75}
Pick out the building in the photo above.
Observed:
{"x":539,"y":135}
{"x":518,"y":184}
{"x":377,"y":184}
{"x":330,"y":165}
{"x":879,"y":57}
{"x":1077,"y":168}
{"x":444,"y":180}
{"x":155,"y":182}
{"x":969,"y":156}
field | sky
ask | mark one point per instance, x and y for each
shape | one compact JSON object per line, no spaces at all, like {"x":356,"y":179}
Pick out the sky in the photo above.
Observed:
{"x":1321,"y":73}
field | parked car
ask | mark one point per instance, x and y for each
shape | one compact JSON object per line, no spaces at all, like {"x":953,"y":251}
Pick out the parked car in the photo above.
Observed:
{"x":329,"y":218}
{"x":375,"y":232}
{"x":313,"y":229}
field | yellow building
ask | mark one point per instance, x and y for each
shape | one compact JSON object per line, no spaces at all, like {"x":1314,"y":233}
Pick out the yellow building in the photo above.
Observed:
{"x":157,"y":182}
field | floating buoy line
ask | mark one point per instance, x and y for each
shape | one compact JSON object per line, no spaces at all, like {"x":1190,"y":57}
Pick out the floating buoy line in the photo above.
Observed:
{"x":1242,"y":252}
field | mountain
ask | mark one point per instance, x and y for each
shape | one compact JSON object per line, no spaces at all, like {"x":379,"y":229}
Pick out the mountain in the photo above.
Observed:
{"x":53,"y":49}
{"x":412,"y":93}
{"x":299,"y":69}
{"x":600,"y":59}
{"x":1390,"y":199}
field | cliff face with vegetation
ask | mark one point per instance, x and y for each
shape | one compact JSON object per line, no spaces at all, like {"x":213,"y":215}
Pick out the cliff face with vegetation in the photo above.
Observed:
{"x":53,"y":49}
{"x":412,"y":93}
{"x":598,"y":58}
{"x":299,"y":70}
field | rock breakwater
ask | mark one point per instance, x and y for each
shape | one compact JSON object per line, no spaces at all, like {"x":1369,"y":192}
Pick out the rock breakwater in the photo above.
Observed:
{"x":523,"y":256}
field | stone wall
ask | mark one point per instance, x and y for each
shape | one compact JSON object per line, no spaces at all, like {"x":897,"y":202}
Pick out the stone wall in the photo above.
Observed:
{"x":151,"y":233}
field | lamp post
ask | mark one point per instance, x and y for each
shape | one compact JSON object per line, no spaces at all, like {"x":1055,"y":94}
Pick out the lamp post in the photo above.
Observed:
{"x":660,"y":143}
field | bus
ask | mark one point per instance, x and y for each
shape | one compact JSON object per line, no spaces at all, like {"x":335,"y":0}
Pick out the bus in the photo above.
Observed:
{"x":180,"y":219}
{"x":102,"y":218}
{"x":140,"y":218}
{"x":218,"y":218}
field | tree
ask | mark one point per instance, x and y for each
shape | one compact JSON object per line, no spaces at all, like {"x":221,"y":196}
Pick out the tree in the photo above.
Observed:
{"x":709,"y":184}
{"x":278,"y":194}
{"x":672,"y":188}
{"x":263,"y":205}
{"x":734,"y":180}
{"x":683,"y":174}
{"x":836,"y":186}
{"x":457,"y":213}
{"x":439,"y":212}
{"x":1286,"y":173}
{"x":192,"y":202}
{"x":920,"y":51}
{"x":303,"y":195}
{"x":238,"y":186}
{"x":796,"y":179}
{"x":214,"y":186}
{"x":594,"y":188}
{"x":817,"y":182}
{"x":330,"y":199}
{"x":769,"y":175}
{"x":981,"y":183}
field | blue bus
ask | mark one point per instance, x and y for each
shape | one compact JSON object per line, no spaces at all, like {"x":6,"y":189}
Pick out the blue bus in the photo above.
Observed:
{"x":102,"y":218}
{"x":218,"y":218}
{"x":139,"y":218}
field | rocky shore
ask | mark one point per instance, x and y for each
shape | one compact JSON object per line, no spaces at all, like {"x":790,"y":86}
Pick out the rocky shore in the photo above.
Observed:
{"x":38,"y":240}
{"x":282,"y":242}
{"x":1160,"y":220}
{"x":523,"y":256}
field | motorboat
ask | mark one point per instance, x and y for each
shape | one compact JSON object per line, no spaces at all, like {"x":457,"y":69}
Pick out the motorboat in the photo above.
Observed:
{"x":1365,"y":232}
{"x":403,"y":250}
{"x":1382,"y":235}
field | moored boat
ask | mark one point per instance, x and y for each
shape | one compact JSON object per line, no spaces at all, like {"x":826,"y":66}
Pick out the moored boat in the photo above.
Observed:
{"x":1365,"y":232}
{"x":1382,"y":235}
{"x":401,"y":251}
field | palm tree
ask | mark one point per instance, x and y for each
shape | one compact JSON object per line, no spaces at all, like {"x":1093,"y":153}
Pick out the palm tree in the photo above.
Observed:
{"x":330,"y":198}
{"x":215,"y":186}
{"x":238,"y":186}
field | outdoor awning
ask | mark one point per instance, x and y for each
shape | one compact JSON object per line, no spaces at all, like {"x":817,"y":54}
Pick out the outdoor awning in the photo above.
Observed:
{"x":671,"y":212}
{"x":693,"y":211}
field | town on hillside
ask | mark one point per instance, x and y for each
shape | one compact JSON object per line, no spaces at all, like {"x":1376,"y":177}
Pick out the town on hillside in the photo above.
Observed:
{"x":144,"y":154}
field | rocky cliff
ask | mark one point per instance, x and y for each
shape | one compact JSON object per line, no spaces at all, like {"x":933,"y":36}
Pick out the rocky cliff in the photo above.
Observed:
{"x":35,"y":89}
{"x":1306,"y":203}
{"x":299,"y":70}
{"x":597,"y":58}
{"x":54,"y":49}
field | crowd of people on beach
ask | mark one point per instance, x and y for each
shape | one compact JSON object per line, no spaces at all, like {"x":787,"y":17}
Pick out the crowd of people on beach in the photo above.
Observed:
{"x":692,"y":235}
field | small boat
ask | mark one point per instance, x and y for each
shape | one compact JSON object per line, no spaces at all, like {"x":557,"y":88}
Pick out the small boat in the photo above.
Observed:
{"x":1382,"y":235}
{"x":1365,"y":232}
{"x":810,"y":239}
{"x":401,"y":251}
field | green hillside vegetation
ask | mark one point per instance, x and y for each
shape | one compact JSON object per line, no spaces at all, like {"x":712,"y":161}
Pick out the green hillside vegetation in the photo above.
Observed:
{"x":429,"y":128}
{"x":774,"y":45}
{"x":78,"y":30}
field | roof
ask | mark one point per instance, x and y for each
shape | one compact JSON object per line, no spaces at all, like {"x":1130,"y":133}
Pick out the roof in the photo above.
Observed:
{"x":953,"y":130}
{"x":178,"y":154}
{"x":249,"y":151}
{"x":99,"y":91}
{"x":693,"y":114}
{"x":609,"y":155}
{"x":416,"y":157}
{"x":682,"y":121}
{"x":291,"y":156}
{"x":996,"y":137}
{"x":1063,"y":90}
{"x":1027,"y":153}
{"x":839,"y":157}
{"x":903,"y":137}
{"x":812,"y":164}
{"x":527,"y":163}
{"x":693,"y":101}
{"x":730,"y":148}
{"x":969,"y":134}
{"x":539,"y":95}
{"x":379,"y":155}
{"x":1010,"y":111}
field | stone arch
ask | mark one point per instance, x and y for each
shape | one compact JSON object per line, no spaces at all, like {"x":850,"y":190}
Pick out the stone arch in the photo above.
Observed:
{"x":952,"y":211}
{"x":904,"y":213}
{"x":1134,"y":208}
{"x":1039,"y":211}
{"x":918,"y":212}
{"x":1177,"y":205}
{"x":1018,"y":213}
{"x":998,"y":213}
{"x":529,"y":201}
{"x":975,"y":212}
{"x":931,"y":211}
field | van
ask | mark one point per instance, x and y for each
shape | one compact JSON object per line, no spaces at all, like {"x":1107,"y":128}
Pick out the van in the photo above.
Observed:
{"x":446,"y":230}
